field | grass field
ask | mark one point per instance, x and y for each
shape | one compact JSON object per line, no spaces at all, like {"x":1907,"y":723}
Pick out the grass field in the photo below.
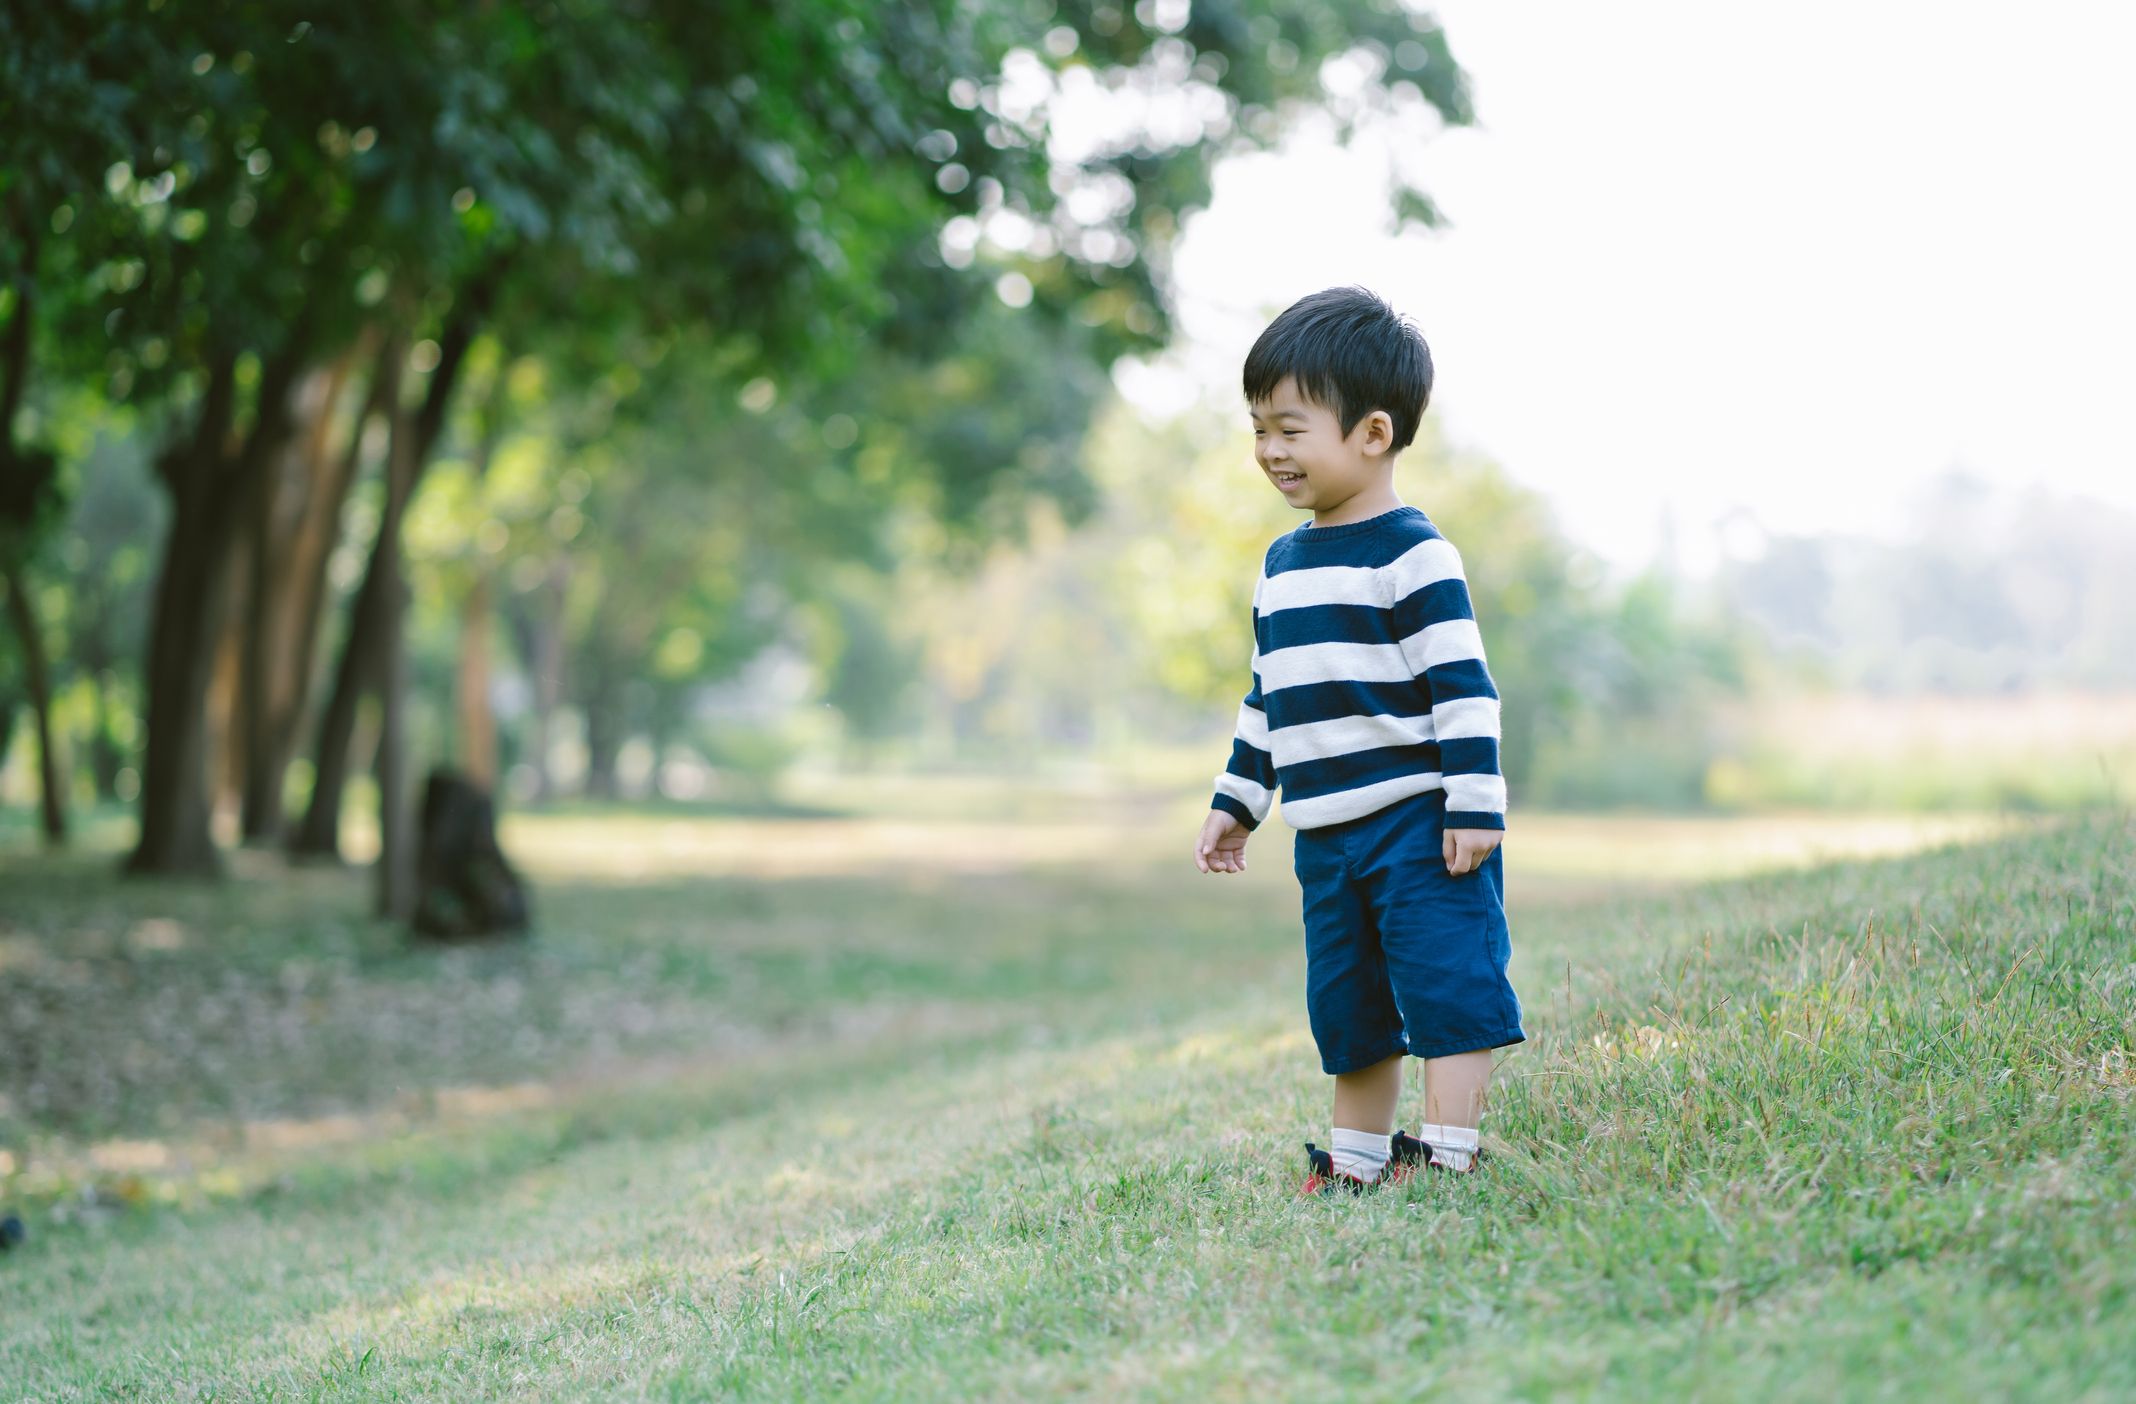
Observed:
{"x":936,"y":1107}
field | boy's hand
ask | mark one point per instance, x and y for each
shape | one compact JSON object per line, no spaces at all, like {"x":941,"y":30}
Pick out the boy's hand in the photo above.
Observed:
{"x":1465,"y":849}
{"x":1222,"y":845}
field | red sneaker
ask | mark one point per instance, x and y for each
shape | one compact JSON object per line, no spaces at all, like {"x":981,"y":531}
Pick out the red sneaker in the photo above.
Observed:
{"x":1320,"y":1175}
{"x":1409,"y":1156}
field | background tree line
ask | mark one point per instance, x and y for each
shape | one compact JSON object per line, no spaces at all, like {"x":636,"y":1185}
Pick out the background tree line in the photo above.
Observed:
{"x":630,"y":400}
{"x":667,"y":284}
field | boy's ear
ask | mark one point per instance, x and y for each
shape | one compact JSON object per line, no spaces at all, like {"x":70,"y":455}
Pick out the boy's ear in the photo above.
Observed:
{"x":1378,"y":429}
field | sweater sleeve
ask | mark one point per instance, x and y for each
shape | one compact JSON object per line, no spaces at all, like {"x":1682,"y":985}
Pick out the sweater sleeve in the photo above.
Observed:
{"x":1247,"y":786}
{"x":1436,"y":624}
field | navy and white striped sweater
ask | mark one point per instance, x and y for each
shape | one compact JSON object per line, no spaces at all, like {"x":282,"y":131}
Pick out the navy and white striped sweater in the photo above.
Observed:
{"x":1369,"y":682}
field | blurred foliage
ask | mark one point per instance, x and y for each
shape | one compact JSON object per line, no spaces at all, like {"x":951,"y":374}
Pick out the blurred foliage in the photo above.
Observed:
{"x":89,"y":547}
{"x":771,"y":180}
{"x":1597,"y":682}
{"x":1134,"y":629}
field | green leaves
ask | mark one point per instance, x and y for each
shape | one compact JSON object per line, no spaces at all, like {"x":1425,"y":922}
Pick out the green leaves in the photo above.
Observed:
{"x":772,"y":178}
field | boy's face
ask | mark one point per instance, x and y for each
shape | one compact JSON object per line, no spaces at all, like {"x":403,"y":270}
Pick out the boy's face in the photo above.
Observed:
{"x":1301,"y":447}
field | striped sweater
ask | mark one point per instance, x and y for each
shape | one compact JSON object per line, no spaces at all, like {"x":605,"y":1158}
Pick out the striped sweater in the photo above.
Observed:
{"x":1369,"y":682}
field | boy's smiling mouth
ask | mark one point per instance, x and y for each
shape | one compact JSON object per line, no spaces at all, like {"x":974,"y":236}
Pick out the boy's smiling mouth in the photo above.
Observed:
{"x":1285,"y":479}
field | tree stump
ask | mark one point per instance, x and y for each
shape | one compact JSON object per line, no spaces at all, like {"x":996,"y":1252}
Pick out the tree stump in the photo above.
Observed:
{"x":465,"y":889}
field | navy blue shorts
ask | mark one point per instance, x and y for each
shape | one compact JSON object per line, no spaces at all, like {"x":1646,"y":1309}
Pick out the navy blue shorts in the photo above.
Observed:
{"x":1401,"y":957}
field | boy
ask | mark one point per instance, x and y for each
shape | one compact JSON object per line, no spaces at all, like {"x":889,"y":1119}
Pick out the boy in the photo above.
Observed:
{"x":1373,"y":711}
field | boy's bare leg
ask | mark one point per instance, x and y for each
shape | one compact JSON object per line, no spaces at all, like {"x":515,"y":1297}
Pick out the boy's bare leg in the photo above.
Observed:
{"x":1454,"y":1088}
{"x":1453,"y":1106}
{"x":1365,"y":1099}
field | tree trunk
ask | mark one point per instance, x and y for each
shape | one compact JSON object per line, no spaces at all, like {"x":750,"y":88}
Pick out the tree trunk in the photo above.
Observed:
{"x":10,"y":703}
{"x":477,"y":724}
{"x":396,"y":841}
{"x":174,"y":834}
{"x":292,"y":528}
{"x":105,"y":760}
{"x":251,"y":714}
{"x":14,"y":384}
{"x":363,"y":650}
{"x":210,"y":488}
{"x":603,"y":703}
{"x":174,"y":776}
{"x":528,"y":617}
{"x":51,"y":782}
{"x":660,"y":737}
{"x":478,"y":727}
{"x":547,"y":660}
{"x":319,"y":836}
{"x":320,"y":833}
{"x":315,"y":551}
{"x":226,"y":748}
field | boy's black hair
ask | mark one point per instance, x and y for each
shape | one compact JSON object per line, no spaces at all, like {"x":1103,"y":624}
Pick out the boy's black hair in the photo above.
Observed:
{"x":1350,"y":353}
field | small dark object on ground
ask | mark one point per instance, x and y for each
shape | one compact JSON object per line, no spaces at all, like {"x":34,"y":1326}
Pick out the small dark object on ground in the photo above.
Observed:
{"x":12,"y":1231}
{"x":464,"y":886}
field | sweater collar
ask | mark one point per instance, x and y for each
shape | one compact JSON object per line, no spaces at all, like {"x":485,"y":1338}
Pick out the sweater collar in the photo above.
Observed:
{"x":1306,"y":531}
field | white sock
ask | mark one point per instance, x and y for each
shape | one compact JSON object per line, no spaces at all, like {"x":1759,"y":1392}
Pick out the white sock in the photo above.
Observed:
{"x":1361,"y":1153}
{"x":1455,"y":1145}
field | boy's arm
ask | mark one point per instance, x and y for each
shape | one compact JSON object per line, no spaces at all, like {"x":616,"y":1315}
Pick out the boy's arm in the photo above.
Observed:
{"x":1436,"y":624}
{"x":1247,"y":786}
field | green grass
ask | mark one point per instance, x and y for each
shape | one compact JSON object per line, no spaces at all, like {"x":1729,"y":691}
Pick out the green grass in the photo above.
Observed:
{"x":795,"y":1108}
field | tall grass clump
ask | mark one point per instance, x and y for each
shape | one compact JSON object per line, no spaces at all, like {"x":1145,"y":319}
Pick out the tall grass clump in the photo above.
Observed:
{"x":1934,"y":1060}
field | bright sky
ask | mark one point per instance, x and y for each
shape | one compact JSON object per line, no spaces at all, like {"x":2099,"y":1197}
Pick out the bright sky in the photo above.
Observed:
{"x":1706,"y":256}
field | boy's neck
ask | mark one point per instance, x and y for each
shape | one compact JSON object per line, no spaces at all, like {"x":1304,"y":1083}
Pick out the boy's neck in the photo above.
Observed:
{"x":1367,"y":503}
